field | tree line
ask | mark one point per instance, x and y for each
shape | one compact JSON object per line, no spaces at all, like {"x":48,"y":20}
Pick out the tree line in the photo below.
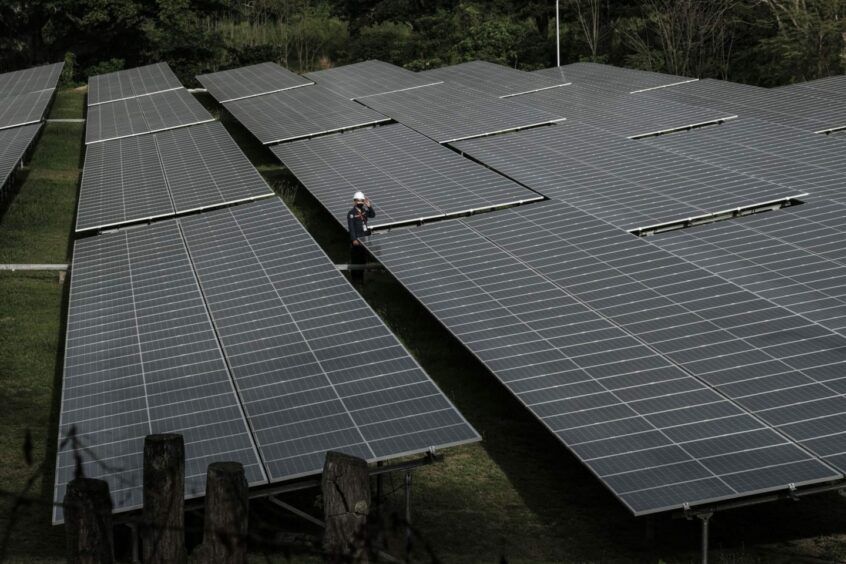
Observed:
{"x":764,"y":42}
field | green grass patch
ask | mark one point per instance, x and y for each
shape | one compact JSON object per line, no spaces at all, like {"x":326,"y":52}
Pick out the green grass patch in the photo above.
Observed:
{"x":38,"y":216}
{"x":69,"y":103}
{"x":30,"y":329}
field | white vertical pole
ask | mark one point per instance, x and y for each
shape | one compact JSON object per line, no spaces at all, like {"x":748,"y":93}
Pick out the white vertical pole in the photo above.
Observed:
{"x":557,"y":37}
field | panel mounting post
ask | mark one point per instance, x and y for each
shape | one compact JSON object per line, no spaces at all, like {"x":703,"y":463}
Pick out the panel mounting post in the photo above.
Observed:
{"x":408,"y":513}
{"x":706,"y":519}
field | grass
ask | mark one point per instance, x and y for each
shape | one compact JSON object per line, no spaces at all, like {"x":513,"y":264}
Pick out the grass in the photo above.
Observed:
{"x":517,"y":496}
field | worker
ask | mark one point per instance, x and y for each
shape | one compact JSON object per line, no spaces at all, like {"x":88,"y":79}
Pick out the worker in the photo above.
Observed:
{"x":361,"y":211}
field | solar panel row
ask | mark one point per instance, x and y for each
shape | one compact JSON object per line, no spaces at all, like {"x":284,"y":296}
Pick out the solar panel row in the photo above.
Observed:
{"x":177,"y":171}
{"x":305,"y":365}
{"x":368,"y":78}
{"x":407,"y":176}
{"x":132,"y":83}
{"x":14,"y":144}
{"x":490,"y":78}
{"x":613,"y":79}
{"x":249,"y":81}
{"x":34,"y":79}
{"x":630,"y":398}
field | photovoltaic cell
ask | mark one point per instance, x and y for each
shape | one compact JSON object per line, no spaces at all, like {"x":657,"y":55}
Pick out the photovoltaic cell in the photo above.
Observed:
{"x":24,"y":109}
{"x":627,"y":183}
{"x":29,"y":80}
{"x":299,"y":113}
{"x":368,"y":78}
{"x":621,"y":113}
{"x":613,"y":78}
{"x":491,"y":78}
{"x":448,"y":113}
{"x":407,"y":176}
{"x":316,"y":368}
{"x":652,"y":432}
{"x":14,"y":143}
{"x":141,"y":357}
{"x":122,"y":181}
{"x":252,"y":80}
{"x":132,"y":83}
{"x":143,"y":114}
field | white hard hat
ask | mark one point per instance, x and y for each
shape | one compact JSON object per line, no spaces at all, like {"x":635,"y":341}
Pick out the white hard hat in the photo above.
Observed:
{"x":358,"y":196}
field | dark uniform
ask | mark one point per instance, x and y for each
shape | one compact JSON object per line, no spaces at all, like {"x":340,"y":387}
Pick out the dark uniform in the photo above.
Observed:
{"x":357,"y":225}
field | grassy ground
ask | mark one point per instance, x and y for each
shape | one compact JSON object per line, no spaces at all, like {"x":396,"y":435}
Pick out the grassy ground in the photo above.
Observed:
{"x":518,"y":496}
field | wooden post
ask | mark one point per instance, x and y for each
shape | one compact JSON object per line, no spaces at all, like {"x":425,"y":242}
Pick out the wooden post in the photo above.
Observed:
{"x":227,"y":511}
{"x":88,"y":522}
{"x":163,"y":532}
{"x":346,"y":503}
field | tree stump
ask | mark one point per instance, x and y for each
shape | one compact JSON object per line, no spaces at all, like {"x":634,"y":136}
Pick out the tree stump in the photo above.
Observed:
{"x":88,"y":522}
{"x":163,"y":530}
{"x":226,"y":515}
{"x":346,"y":503}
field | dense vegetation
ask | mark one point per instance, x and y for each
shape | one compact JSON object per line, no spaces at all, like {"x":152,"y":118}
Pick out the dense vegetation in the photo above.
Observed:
{"x":764,"y":42}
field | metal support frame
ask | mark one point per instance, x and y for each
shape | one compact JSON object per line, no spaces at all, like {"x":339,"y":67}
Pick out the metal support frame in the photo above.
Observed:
{"x":408,"y":532}
{"x":298,"y":512}
{"x":135,"y":541}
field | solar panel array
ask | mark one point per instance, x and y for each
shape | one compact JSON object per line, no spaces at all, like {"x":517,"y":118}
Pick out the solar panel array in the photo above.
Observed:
{"x":586,"y":344}
{"x":305,"y":366}
{"x":368,"y":78}
{"x":613,"y":79}
{"x":831,"y":87}
{"x":300,"y":113}
{"x":448,"y":113}
{"x":26,"y":94}
{"x":621,"y":113}
{"x":491,"y":78}
{"x":795,"y":109}
{"x":143,"y":114}
{"x":14,"y":143}
{"x":177,"y":171}
{"x":132,"y":83}
{"x":141,"y":357}
{"x":316,"y":368}
{"x":33,"y":79}
{"x":252,"y":80}
{"x":627,"y":183}
{"x":406,"y":175}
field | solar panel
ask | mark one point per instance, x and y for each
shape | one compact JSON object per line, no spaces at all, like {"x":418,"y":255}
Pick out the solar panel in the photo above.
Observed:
{"x":24,"y":109}
{"x":407,"y":176}
{"x":806,"y":112}
{"x":448,"y":113}
{"x":796,"y":159}
{"x":143,"y":114}
{"x":132,"y":83}
{"x":658,"y":437}
{"x":299,"y":113}
{"x":29,"y":80}
{"x":368,"y":78}
{"x":252,"y":80}
{"x":176,"y":171}
{"x":794,"y":259}
{"x":141,"y":357}
{"x":14,"y":143}
{"x":627,"y":183}
{"x":493,"y":79}
{"x":315,"y":367}
{"x":831,"y":87}
{"x":122,"y":182}
{"x":621,"y":113}
{"x":204,"y":168}
{"x":613,"y":78}
{"x":785,"y":369}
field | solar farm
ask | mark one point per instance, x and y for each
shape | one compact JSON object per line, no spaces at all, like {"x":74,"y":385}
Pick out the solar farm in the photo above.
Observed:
{"x":634,"y":283}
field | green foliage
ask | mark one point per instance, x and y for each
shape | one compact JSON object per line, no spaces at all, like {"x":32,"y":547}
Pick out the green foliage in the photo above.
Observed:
{"x":103,"y":67}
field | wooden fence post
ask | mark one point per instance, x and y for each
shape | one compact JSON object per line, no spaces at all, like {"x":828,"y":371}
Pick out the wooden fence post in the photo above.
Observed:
{"x":88,"y":522}
{"x":226,"y":515}
{"x":163,"y":532}
{"x":346,"y":503}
